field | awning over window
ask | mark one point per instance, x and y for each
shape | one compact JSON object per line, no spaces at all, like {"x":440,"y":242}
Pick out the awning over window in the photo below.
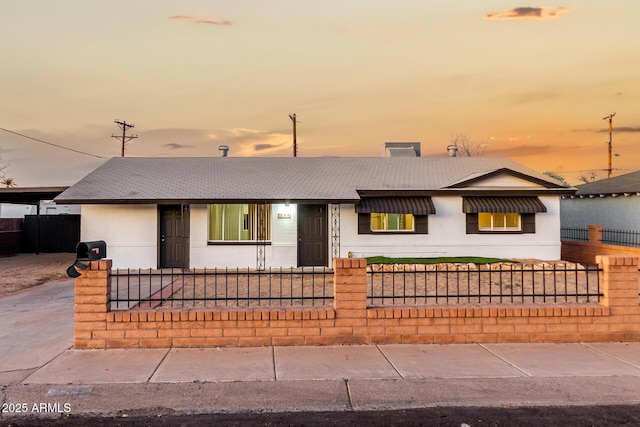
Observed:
{"x":396,"y":205}
{"x":502,"y":204}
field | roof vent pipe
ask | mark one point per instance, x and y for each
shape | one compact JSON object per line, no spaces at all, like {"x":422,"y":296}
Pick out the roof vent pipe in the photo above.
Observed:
{"x":224,"y":149}
{"x":452,"y":150}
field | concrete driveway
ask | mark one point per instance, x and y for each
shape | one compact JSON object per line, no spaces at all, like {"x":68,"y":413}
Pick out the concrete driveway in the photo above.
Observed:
{"x":36,"y":326}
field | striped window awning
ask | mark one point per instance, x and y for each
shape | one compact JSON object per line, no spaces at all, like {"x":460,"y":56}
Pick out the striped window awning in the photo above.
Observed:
{"x":396,"y":205}
{"x":502,"y":204}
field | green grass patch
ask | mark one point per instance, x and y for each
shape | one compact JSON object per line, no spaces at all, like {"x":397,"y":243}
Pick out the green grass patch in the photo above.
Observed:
{"x":438,"y":260}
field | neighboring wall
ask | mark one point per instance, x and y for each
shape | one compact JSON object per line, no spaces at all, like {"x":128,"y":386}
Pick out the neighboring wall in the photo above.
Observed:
{"x":586,"y":252}
{"x":350,"y":321}
{"x":10,"y":210}
{"x":447,"y":236}
{"x":10,"y":236}
{"x":620,"y":212}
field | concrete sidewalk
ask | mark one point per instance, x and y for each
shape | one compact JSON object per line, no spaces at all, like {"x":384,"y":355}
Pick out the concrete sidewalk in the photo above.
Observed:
{"x":39,"y":371}
{"x":338,"y":378}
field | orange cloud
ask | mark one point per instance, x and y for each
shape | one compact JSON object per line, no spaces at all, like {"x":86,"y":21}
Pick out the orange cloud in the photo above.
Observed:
{"x":207,"y":19}
{"x":528,"y":13}
{"x":622,"y":129}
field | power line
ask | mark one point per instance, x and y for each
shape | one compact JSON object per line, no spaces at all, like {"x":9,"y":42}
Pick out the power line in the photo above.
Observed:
{"x":584,"y":170}
{"x":52,"y":144}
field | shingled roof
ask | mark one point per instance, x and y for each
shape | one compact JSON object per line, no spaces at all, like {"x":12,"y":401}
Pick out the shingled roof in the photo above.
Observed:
{"x":150,"y":180}
{"x":628,"y":183}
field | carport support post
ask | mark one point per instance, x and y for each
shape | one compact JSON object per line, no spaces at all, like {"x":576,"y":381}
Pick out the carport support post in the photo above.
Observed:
{"x":92,"y":301}
{"x":349,"y":297}
{"x":38,"y":239}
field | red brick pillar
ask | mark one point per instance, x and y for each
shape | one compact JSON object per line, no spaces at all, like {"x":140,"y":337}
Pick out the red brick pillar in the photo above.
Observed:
{"x":595,"y":234}
{"x":92,"y":300}
{"x":350,"y":297}
{"x":619,"y":283}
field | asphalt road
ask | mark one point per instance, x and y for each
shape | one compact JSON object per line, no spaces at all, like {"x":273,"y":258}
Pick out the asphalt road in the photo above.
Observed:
{"x":449,"y":416}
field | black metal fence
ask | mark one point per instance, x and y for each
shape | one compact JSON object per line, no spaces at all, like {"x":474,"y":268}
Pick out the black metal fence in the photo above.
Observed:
{"x":609,"y":236}
{"x":221,"y":287}
{"x":621,"y":237}
{"x":574,"y":234}
{"x":452,"y":284}
{"x":421,"y":284}
{"x":50,"y":233}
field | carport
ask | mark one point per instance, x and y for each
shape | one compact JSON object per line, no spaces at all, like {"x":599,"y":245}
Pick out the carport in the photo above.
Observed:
{"x":29,"y":196}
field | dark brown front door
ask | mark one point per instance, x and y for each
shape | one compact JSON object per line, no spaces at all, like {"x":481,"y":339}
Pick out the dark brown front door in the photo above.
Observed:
{"x":174,"y":236}
{"x":312,"y":235}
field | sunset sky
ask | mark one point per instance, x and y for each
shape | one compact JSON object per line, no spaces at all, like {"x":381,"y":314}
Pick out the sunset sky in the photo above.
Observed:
{"x":532,"y":80}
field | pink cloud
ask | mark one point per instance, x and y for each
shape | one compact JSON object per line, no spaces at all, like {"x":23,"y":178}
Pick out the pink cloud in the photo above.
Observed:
{"x":206,"y":19}
{"x":528,"y":13}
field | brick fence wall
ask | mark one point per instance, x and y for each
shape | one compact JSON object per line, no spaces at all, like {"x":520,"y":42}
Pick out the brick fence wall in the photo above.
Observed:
{"x":349,"y":321}
{"x":10,"y":235}
{"x":586,"y":252}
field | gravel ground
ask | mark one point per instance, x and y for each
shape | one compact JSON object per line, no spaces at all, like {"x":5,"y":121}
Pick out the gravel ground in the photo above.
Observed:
{"x":387,"y":285}
{"x":27,"y":270}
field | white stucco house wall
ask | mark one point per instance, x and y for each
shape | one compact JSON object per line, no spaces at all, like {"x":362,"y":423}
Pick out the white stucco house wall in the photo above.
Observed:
{"x":272,"y":212}
{"x":613,"y":203}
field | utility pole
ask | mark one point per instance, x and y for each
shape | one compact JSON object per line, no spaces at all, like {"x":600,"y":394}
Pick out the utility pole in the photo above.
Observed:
{"x":295,"y":144}
{"x":610,"y":118}
{"x":124,"y":126}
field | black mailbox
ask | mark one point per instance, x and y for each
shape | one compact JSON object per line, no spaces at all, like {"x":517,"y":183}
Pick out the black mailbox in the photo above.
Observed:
{"x":87,"y":251}
{"x":90,"y":251}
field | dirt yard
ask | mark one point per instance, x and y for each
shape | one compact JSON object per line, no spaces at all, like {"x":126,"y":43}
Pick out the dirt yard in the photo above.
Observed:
{"x":26,"y":270}
{"x":393,"y":284}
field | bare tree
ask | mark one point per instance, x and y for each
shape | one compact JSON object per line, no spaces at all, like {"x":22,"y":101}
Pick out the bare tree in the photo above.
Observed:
{"x":8,"y":182}
{"x":467,"y":146}
{"x":556,"y":176}
{"x":5,"y":180}
{"x":590,"y":178}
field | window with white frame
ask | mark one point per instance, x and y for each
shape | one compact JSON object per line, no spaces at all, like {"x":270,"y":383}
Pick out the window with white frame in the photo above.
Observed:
{"x":239,"y":222}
